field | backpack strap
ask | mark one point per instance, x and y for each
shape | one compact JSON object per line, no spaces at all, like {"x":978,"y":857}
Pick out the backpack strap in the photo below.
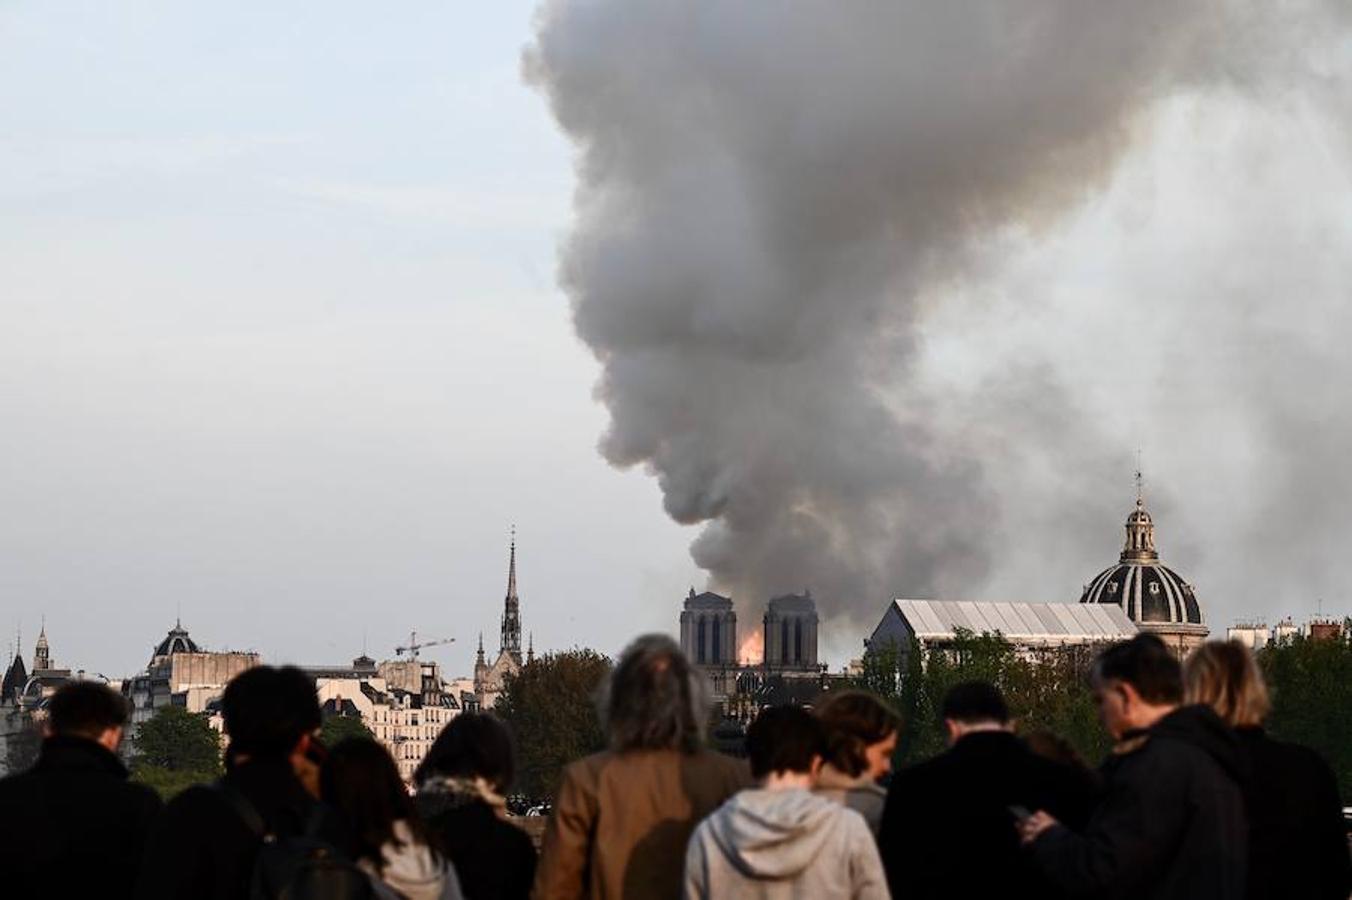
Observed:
{"x":244,"y":808}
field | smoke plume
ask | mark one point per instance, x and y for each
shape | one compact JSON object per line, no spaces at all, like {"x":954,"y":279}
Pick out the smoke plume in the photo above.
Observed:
{"x":776,"y":201}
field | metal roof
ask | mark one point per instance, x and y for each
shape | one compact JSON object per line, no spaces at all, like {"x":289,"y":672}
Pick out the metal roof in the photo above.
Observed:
{"x":938,"y":619}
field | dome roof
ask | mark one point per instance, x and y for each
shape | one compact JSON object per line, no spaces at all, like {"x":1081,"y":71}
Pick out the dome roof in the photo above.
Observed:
{"x":1148,"y":591}
{"x":176,"y":641}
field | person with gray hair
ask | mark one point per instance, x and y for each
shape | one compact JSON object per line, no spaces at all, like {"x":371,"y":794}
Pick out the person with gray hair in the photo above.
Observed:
{"x":622,"y":817}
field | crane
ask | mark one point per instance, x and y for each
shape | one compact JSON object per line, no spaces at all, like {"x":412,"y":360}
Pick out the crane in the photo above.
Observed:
{"x":414,"y":645}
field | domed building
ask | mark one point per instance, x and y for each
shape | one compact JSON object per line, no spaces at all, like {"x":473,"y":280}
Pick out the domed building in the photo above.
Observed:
{"x":1152,"y":595}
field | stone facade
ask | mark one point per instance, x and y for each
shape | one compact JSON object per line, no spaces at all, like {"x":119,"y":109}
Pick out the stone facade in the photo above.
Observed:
{"x":404,"y":722}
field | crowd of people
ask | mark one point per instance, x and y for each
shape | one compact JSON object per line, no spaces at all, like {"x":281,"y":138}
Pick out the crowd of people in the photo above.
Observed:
{"x":1195,"y":801}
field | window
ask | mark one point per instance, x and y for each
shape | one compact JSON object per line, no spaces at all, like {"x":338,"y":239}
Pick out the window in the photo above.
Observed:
{"x":798,"y":640}
{"x":718,"y":641}
{"x":699,"y":640}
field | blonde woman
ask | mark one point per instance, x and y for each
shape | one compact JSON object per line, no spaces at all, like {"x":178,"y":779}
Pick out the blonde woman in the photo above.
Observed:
{"x":1297,"y":848}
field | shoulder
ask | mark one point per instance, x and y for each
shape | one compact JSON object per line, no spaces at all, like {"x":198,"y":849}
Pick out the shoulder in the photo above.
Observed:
{"x":196,"y":803}
{"x":729,"y":767}
{"x":589,"y":768}
{"x":142,"y":796}
{"x":920,"y":776}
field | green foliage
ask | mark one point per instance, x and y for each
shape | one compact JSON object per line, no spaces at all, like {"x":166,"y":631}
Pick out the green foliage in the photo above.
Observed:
{"x":551,"y":708}
{"x":166,"y":782}
{"x":176,"y":749}
{"x":1048,"y":691}
{"x":1311,"y":686}
{"x":337,"y":729}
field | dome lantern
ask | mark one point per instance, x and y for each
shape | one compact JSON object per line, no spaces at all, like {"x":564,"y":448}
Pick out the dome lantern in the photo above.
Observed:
{"x":1152,"y":595}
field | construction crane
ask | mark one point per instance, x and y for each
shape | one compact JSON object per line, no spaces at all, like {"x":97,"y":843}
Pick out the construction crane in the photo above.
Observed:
{"x":414,"y":645}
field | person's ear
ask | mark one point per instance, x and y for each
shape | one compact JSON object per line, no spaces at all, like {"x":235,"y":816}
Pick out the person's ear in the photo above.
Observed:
{"x":953,"y":730}
{"x":816,"y":770}
{"x":111,"y":738}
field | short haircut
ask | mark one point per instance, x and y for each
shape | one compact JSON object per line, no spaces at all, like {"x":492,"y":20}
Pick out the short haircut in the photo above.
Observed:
{"x":1224,"y":676}
{"x":85,"y":709}
{"x":654,"y":699}
{"x":267,"y":711}
{"x":973,"y":702}
{"x":1145,"y":663}
{"x":854,"y":721}
{"x":784,"y":739}
{"x":473,"y":745}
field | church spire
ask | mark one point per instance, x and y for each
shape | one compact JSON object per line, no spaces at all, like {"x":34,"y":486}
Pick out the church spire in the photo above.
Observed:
{"x":42,"y":653}
{"x":511,"y":609}
{"x":479,"y":659}
{"x":530,"y":649}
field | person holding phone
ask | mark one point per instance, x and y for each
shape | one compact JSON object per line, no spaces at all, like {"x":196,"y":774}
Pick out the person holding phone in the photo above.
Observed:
{"x":945,"y":814}
{"x":1172,"y":823}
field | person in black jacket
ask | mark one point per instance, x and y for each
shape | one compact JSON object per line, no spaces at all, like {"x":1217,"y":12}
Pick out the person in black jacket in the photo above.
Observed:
{"x":203,"y":847}
{"x":462,"y":784}
{"x":1297,"y":847}
{"x":73,"y":826}
{"x":1171,"y":823}
{"x":947,"y":827}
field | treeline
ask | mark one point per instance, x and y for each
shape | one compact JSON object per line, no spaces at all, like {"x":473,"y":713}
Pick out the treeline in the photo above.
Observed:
{"x":1310,"y":682}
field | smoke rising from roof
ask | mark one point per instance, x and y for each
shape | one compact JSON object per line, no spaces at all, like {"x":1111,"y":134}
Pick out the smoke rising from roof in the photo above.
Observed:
{"x":775,"y":199}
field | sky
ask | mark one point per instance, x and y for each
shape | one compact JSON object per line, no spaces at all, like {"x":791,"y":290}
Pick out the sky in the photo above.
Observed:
{"x":283,"y":350}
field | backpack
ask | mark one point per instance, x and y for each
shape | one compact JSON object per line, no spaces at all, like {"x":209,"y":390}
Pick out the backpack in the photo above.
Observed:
{"x":300,"y":866}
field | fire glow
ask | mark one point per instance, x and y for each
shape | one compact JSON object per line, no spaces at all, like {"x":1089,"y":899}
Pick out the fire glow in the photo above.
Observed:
{"x":752,"y":651}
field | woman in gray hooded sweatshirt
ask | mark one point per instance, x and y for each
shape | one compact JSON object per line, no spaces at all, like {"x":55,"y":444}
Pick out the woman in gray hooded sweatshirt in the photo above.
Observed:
{"x":778,"y":840}
{"x":387,"y":841}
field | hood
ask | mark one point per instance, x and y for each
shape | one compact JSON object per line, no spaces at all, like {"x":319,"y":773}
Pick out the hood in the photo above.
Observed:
{"x":413,"y":869}
{"x":773,"y":834}
{"x":1200,"y":726}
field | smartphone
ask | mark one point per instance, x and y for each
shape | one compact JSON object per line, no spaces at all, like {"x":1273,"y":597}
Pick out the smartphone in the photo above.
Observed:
{"x":1019,"y":812}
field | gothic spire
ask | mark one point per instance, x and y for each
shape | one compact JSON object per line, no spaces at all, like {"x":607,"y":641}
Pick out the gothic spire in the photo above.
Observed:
{"x":511,"y":568}
{"x":511,"y":609}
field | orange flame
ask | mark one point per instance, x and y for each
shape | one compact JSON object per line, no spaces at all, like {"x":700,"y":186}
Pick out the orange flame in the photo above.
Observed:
{"x":752,"y":651}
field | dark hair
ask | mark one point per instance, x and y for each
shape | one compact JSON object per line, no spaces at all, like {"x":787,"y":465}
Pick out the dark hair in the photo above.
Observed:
{"x":472,"y":745}
{"x":653,"y":699}
{"x":784,"y":739}
{"x":1049,"y":745}
{"x":1145,"y":663}
{"x":267,"y":711}
{"x":854,"y":721}
{"x":971,"y":702}
{"x":361,"y":783}
{"x":85,"y":709}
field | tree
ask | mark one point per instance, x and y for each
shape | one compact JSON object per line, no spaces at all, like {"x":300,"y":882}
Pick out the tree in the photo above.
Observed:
{"x":176,"y":749}
{"x":1311,"y":686}
{"x":550,"y":705}
{"x":337,"y":729}
{"x":1047,"y":690}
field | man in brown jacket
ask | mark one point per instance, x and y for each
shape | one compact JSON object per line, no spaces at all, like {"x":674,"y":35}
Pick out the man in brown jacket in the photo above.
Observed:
{"x":622,"y":818}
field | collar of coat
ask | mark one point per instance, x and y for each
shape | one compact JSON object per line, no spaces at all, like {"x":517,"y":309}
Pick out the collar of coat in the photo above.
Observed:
{"x":67,"y":753}
{"x":1131,"y":741}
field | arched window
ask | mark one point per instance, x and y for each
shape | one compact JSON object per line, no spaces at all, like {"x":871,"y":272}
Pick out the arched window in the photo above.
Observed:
{"x":699,"y":641}
{"x":783,"y":642}
{"x":798,"y":640}
{"x":718,"y":641}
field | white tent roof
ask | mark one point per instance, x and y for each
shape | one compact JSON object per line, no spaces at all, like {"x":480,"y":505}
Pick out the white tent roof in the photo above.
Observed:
{"x":940,"y":619}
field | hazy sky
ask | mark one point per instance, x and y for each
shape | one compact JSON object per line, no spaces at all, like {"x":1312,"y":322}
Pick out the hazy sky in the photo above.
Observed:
{"x":281,"y":347}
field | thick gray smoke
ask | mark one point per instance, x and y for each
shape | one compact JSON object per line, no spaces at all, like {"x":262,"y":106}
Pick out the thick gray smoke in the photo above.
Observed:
{"x":775,"y":197}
